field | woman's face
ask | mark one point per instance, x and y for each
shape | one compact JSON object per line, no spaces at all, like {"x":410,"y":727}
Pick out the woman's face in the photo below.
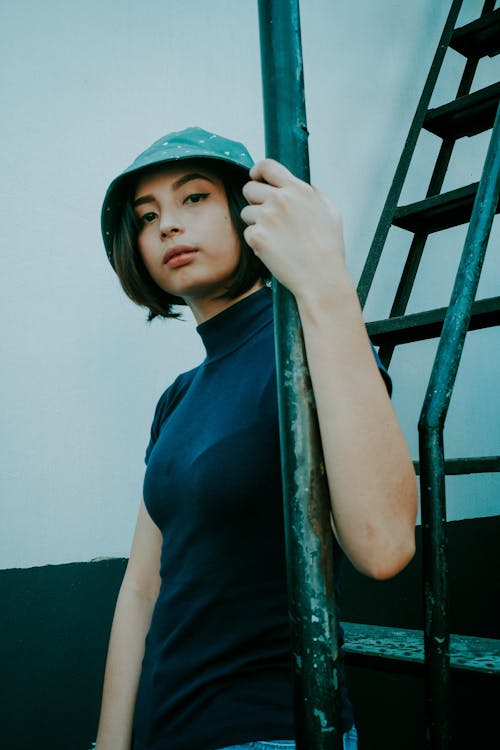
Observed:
{"x":186,"y":237}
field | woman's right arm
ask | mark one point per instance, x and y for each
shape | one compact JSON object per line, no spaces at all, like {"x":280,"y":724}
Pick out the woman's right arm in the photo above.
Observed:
{"x":134,"y":607}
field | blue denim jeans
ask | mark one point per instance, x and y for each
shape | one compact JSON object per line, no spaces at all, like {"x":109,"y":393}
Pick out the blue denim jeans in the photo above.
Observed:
{"x":350,"y":743}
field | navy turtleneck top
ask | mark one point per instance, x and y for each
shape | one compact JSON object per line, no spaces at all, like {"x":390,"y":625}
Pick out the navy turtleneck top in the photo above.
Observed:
{"x":216,"y":670}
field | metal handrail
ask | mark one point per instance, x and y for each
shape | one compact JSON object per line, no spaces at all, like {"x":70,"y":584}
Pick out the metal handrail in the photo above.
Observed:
{"x":431,"y":427}
{"x":309,"y":540}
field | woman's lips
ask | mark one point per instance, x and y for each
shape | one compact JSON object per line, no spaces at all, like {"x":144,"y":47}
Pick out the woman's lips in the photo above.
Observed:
{"x":179,"y":256}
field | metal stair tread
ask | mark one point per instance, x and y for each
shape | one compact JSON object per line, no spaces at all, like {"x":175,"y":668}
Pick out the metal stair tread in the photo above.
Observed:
{"x":465,"y":116}
{"x":478,"y":38}
{"x":405,"y":329}
{"x":438,"y":212}
{"x":402,"y":644}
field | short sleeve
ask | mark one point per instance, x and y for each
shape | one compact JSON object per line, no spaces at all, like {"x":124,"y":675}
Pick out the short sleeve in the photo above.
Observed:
{"x":385,"y":375}
{"x":157,"y":422}
{"x":168,"y":400}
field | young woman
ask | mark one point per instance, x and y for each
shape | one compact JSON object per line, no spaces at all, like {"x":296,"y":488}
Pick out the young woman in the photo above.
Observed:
{"x":199,"y":652}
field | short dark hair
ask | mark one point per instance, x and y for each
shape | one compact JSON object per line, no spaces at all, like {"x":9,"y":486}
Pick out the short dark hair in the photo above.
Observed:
{"x":128,"y":263}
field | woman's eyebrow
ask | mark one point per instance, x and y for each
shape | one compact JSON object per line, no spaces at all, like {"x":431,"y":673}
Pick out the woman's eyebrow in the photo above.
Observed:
{"x":188,"y":177}
{"x":143,"y":199}
{"x":176,"y":185}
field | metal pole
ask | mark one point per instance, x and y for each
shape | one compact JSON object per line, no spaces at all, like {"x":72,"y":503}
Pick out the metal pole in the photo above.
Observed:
{"x":431,"y":426}
{"x":306,"y":500}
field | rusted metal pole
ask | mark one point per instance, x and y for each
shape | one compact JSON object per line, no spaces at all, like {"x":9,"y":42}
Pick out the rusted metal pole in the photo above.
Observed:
{"x":431,"y":427}
{"x":306,"y":500}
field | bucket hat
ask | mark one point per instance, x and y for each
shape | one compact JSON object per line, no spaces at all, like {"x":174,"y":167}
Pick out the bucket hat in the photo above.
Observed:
{"x":191,"y":143}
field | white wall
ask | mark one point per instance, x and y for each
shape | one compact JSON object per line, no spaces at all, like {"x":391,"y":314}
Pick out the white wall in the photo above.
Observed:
{"x":85,"y":87}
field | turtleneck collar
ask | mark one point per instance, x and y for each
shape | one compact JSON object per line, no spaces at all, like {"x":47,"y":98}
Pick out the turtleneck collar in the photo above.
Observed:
{"x":229,"y":329}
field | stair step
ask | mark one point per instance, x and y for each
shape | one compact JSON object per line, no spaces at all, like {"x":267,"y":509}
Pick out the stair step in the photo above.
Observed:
{"x":427,"y":325}
{"x":469,"y":465}
{"x":400,"y":644}
{"x":479,"y":38}
{"x":465,"y":116}
{"x":438,"y":212}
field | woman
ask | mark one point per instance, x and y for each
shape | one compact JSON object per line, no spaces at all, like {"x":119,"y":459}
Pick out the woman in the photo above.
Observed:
{"x":199,"y":654}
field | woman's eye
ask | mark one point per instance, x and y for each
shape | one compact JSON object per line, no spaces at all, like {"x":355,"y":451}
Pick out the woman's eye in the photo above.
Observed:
{"x":195,"y":197}
{"x":146,"y":218}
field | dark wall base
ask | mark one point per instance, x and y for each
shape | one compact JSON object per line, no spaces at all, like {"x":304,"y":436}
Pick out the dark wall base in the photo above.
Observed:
{"x":55,"y":624}
{"x":474,"y":585}
{"x":389,"y":707}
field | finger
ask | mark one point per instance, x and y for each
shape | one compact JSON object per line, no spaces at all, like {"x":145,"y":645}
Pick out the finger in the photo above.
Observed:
{"x":249,"y":214}
{"x":272,"y":172}
{"x":257,"y":192}
{"x":253,"y":238}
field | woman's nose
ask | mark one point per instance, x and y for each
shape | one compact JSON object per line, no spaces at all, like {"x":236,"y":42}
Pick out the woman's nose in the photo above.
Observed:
{"x":169,"y":226}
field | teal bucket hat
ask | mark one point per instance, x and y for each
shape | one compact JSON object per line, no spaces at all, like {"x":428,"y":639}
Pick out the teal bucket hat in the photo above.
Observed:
{"x":191,"y":143}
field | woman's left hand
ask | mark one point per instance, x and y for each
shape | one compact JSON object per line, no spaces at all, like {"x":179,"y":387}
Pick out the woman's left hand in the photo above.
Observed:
{"x":294,"y":230}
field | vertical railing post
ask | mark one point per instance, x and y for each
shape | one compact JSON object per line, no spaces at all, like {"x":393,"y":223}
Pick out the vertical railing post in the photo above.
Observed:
{"x":308,"y":534}
{"x":431,"y":427}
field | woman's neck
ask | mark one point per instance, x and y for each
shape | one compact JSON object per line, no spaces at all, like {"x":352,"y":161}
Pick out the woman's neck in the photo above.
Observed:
{"x":204,"y":309}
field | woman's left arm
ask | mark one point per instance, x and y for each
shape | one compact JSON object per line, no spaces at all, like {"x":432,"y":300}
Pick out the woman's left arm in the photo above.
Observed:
{"x":298,"y":235}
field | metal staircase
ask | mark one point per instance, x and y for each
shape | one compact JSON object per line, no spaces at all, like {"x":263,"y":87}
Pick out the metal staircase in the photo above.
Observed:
{"x":468,"y":114}
{"x":312,"y":608}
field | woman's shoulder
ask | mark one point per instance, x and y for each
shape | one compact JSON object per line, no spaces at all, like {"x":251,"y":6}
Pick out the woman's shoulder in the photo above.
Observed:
{"x":167,"y":402}
{"x":172,"y":395}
